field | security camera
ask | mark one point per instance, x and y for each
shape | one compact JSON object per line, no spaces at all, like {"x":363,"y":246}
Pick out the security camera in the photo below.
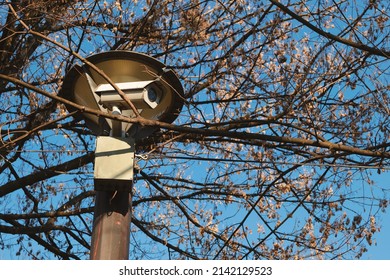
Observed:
{"x":154,"y":89}
{"x":143,"y":94}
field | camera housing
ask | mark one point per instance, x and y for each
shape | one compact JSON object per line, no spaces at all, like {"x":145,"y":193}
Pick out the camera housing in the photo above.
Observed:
{"x":143,"y":94}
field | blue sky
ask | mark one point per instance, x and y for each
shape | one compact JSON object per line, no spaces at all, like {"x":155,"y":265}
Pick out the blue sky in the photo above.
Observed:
{"x":381,"y":250}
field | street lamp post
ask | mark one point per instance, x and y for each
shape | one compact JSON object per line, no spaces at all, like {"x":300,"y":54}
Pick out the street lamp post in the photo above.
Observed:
{"x":157,"y":94}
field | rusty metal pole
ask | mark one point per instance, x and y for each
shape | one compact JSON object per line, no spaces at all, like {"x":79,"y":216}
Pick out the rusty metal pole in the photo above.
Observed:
{"x":113,"y":176}
{"x":111,"y":230}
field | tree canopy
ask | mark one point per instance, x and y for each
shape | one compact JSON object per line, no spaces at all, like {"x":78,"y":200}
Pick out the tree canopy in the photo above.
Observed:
{"x":285,"y":122}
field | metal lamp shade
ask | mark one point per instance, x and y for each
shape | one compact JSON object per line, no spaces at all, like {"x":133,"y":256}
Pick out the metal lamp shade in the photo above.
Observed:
{"x":123,"y":67}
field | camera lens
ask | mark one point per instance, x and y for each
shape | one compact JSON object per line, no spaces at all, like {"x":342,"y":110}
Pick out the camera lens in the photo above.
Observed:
{"x":152,"y":94}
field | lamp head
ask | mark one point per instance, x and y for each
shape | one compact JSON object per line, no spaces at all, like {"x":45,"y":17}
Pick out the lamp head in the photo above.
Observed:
{"x":154,"y":90}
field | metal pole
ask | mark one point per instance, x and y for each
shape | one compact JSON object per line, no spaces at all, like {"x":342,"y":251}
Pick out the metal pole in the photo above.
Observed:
{"x":113,"y":178}
{"x":111,"y":227}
